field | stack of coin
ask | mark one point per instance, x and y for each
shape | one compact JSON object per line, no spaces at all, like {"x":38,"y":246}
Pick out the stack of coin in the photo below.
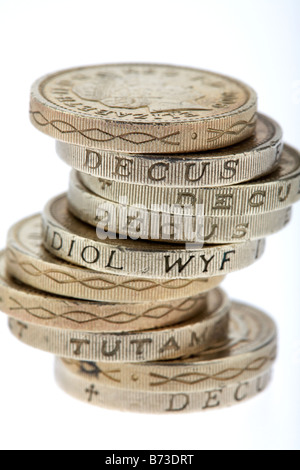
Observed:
{"x":176,"y":182}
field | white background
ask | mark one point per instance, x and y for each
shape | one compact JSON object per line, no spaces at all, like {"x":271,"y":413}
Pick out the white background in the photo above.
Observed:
{"x":253,"y":40}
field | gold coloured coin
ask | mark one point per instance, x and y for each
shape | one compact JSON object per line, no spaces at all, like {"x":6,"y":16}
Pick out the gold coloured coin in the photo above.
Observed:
{"x":249,"y":350}
{"x":94,"y":210}
{"x":26,"y":304}
{"x":245,"y":161}
{"x":142,"y":108}
{"x":30,"y":263}
{"x":207,"y":399}
{"x":276,"y":191}
{"x":78,"y":243}
{"x":164,"y":343}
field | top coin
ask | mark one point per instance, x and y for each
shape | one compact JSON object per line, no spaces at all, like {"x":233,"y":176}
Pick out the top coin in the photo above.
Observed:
{"x":143,"y":108}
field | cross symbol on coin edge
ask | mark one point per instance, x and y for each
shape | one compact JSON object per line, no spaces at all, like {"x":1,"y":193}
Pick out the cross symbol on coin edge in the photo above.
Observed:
{"x":91,"y":392}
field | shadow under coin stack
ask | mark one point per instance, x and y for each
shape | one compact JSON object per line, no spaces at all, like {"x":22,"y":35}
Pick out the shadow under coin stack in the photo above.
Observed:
{"x":112,"y":278}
